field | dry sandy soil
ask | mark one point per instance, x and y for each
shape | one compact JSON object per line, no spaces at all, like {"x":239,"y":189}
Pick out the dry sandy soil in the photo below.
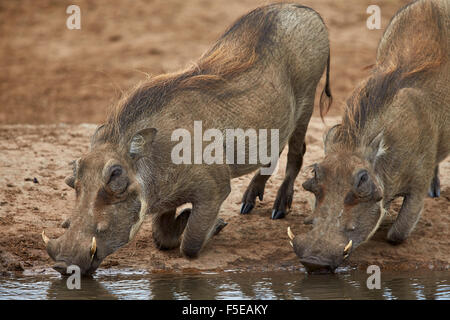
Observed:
{"x":51,"y":75}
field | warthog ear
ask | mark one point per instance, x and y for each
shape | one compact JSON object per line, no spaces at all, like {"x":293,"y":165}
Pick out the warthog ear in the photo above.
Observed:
{"x":140,"y":143}
{"x":66,"y":223}
{"x":311,"y":184}
{"x":329,"y":135}
{"x":70,"y":181}
{"x":376,"y":149}
{"x":96,"y":135}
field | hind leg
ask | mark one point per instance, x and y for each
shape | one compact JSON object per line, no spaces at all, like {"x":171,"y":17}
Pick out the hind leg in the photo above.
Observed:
{"x":435,"y":187}
{"x":283,"y":201}
{"x":297,"y":149}
{"x":254,"y":189}
{"x":167,"y":229}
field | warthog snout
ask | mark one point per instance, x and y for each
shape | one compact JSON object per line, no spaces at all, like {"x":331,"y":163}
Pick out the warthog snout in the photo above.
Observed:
{"x":61,"y":267}
{"x":346,"y":212}
{"x":320,"y":255}
{"x":84,"y":256}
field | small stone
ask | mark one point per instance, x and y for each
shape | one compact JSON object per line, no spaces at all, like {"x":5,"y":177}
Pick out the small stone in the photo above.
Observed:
{"x":115,"y":37}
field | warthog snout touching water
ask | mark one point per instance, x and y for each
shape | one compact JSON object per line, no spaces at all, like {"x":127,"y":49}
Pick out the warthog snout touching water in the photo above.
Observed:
{"x":394,"y":133}
{"x":261,"y":74}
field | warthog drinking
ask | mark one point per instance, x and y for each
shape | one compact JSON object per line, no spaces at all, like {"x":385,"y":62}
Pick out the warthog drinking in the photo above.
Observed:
{"x":261,"y":74}
{"x":394,"y":133}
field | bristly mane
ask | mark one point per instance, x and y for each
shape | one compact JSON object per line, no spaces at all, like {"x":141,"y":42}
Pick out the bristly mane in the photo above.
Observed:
{"x":236,"y":51}
{"x":417,"y":45}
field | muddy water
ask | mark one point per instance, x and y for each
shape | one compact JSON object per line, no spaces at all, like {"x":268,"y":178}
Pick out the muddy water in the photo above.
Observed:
{"x":228,"y":285}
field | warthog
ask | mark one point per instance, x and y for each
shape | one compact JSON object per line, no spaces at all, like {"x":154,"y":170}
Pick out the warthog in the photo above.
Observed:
{"x":262,"y":73}
{"x":394,"y":133}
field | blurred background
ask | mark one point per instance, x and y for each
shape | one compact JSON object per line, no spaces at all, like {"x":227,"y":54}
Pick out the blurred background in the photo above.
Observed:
{"x":50,"y":74}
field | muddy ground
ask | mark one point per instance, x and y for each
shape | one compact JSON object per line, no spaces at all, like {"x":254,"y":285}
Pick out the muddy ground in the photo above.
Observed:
{"x":53,"y":79}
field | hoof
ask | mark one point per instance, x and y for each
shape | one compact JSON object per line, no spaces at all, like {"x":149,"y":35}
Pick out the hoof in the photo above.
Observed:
{"x":220,"y":224}
{"x":435,"y":187}
{"x":434,"y":192}
{"x":395,"y":238}
{"x":246,"y":208}
{"x":278,"y":214}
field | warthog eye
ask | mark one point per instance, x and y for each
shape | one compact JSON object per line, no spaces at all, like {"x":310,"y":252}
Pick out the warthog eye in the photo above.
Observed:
{"x":363,"y":176}
{"x":115,"y":178}
{"x":363,"y":184}
{"x":364,"y":189}
{"x":115,"y":173}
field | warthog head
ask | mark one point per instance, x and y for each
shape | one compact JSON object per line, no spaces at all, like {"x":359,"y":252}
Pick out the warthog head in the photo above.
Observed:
{"x":109,"y":208}
{"x":347,"y":209}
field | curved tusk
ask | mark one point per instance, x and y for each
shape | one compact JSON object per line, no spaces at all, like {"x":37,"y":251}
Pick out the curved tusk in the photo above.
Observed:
{"x":348,"y":247}
{"x":292,"y":245}
{"x":93,"y":247}
{"x":45,"y":238}
{"x":290,"y":233}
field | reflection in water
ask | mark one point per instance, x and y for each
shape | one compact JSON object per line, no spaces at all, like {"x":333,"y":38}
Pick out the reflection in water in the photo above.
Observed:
{"x":90,"y":289}
{"x":229,"y":285}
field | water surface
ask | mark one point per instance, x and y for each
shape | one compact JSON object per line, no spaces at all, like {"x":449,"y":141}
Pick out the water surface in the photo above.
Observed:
{"x":122,"y":284}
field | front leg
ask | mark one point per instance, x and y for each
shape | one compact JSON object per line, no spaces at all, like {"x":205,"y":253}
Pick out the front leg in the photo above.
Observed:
{"x":203,"y":223}
{"x":167,"y":229}
{"x":407,"y":218}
